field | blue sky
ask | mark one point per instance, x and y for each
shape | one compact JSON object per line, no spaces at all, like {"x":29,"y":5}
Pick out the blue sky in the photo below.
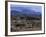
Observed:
{"x":29,"y":7}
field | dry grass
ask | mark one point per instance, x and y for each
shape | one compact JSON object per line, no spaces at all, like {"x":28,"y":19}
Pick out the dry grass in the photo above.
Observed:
{"x":18,"y":24}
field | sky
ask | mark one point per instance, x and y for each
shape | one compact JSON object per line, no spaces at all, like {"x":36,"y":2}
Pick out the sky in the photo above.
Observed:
{"x":29,"y":7}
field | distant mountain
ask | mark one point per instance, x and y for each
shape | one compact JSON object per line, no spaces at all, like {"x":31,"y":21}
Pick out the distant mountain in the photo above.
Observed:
{"x":21,"y":11}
